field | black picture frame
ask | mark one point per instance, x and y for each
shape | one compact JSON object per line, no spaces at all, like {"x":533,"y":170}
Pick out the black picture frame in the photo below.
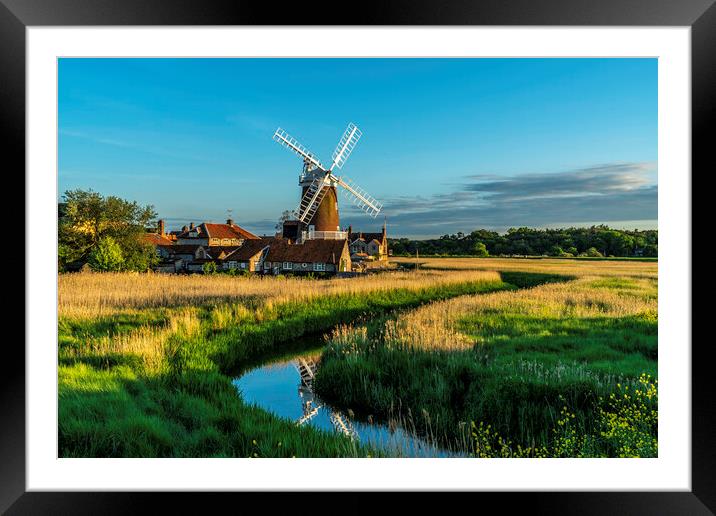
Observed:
{"x":700,"y":15}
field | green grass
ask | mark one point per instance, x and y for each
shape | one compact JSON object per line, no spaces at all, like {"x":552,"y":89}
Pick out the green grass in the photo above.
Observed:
{"x":519,"y":378}
{"x":119,"y":413}
{"x":117,"y":406}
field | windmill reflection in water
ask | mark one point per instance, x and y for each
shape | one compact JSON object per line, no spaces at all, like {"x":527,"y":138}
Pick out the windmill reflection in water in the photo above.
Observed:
{"x":307,"y":367}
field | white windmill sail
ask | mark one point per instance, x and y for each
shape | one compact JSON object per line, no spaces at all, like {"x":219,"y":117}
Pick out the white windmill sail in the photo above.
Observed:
{"x":346,"y":145}
{"x":311,"y":200}
{"x":359,"y":196}
{"x":323,"y":177}
{"x":294,"y":145}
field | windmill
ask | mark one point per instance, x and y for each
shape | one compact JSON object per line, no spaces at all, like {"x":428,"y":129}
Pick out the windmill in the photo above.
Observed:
{"x":318,"y":207}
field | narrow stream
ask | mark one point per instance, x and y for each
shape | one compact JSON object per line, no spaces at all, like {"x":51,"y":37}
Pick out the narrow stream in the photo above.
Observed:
{"x":284,"y":387}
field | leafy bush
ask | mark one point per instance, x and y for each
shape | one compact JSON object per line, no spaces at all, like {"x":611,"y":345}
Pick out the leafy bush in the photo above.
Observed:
{"x":479,"y":249}
{"x":107,"y":256}
{"x":209,"y":268}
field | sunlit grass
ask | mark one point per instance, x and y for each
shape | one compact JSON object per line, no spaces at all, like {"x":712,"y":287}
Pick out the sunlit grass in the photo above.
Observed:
{"x":96,"y":294}
{"x":148,"y":376}
{"x":508,"y":358}
{"x":599,"y":268}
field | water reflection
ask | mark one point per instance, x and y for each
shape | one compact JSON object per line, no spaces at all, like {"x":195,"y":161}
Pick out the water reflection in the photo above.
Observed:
{"x":307,"y":367}
{"x":285,"y":388}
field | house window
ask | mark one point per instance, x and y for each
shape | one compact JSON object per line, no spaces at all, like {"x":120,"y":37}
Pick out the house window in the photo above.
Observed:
{"x":232,"y":265}
{"x":287,"y":265}
{"x":243,"y":265}
{"x":304,"y":265}
{"x":319,"y":267}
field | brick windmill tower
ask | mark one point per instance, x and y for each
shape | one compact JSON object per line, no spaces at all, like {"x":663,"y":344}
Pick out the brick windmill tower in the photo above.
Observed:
{"x":317,"y":213}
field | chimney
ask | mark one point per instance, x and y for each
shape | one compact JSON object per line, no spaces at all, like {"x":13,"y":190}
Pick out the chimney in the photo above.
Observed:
{"x":161,"y":227}
{"x":191,"y":225}
{"x":230,"y":222}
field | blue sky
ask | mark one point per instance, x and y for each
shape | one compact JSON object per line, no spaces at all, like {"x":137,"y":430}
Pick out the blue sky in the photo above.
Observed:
{"x":448,"y":144}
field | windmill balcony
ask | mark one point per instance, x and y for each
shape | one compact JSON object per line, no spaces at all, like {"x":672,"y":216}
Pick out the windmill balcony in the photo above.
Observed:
{"x":324,"y":235}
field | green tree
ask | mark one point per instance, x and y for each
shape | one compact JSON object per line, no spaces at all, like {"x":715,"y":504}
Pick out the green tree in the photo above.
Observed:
{"x":209,"y":268}
{"x":85,"y":217}
{"x":480,"y":249}
{"x":556,"y":251}
{"x":592,"y":251}
{"x":106,"y":256}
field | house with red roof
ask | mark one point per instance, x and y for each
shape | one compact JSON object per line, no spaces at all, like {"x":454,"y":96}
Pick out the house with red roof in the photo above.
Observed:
{"x":249,"y":256}
{"x":230,"y":247}
{"x":210,"y":234}
{"x":309,"y":256}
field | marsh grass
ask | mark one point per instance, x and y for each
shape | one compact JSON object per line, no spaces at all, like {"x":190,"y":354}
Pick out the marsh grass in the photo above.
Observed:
{"x":92,"y":295}
{"x":145,"y":376}
{"x":145,"y":359}
{"x":562,"y":267}
{"x":510,"y":359}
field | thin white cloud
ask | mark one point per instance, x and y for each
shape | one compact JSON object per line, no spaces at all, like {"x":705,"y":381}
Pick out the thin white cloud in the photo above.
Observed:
{"x":608,"y":192}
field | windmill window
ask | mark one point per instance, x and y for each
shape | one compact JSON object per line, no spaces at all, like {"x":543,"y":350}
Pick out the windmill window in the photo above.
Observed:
{"x":304,"y":265}
{"x":243,"y":265}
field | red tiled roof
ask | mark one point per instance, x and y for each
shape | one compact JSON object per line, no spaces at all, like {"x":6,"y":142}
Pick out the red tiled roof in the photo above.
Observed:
{"x":156,"y":239}
{"x":249,"y":249}
{"x":210,"y":230}
{"x":311,"y":251}
{"x":227,"y":231}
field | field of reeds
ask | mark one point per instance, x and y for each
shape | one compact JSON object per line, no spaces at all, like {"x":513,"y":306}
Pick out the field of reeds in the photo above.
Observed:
{"x":91,"y":295}
{"x":146,"y":360}
{"x":562,"y":266}
{"x":559,"y":369}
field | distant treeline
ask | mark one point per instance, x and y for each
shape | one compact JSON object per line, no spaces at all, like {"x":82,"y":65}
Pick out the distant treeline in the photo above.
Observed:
{"x":594,"y":241}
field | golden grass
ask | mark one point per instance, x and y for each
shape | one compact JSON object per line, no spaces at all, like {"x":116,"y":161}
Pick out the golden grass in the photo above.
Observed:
{"x":87,"y":295}
{"x":148,"y":342}
{"x":436,"y":326}
{"x":626,"y":268}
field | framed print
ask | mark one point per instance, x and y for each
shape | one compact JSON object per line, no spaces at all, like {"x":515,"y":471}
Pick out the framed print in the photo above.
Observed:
{"x":416,"y":250}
